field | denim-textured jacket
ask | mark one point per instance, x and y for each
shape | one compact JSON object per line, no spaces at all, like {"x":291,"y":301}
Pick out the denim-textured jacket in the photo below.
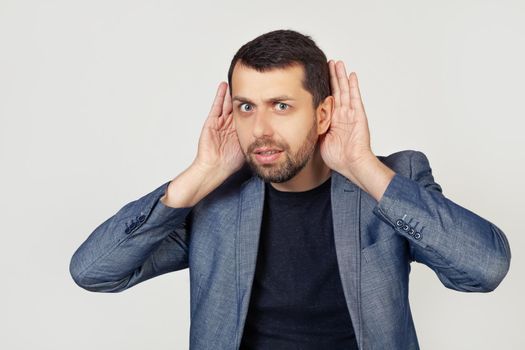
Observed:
{"x":217,"y":239}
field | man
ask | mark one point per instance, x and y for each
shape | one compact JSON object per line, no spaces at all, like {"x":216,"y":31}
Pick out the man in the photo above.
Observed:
{"x":296,"y":235}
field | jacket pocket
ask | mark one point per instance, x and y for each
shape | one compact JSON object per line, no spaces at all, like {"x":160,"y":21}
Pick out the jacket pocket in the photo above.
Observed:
{"x":371,"y":252}
{"x":385,"y":265}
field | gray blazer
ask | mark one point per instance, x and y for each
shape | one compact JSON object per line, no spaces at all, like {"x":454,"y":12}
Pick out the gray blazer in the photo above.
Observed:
{"x":217,"y":239}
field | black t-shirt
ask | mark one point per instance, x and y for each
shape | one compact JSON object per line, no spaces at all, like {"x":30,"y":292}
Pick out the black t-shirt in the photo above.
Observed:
{"x":297,"y":299}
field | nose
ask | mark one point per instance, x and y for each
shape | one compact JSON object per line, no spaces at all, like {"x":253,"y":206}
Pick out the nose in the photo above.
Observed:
{"x":262,"y":126}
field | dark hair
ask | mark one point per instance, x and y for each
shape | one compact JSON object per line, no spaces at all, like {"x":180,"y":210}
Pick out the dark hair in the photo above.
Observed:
{"x":284,"y":48}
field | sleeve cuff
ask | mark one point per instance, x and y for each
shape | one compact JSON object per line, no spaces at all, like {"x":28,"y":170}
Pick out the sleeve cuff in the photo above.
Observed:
{"x":166,"y":215}
{"x":396,"y":188}
{"x":396,"y":207}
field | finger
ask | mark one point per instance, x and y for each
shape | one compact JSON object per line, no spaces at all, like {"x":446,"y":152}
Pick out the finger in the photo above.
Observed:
{"x":227,"y":104}
{"x":227,"y":115}
{"x":334,"y":84}
{"x":216,"y":108}
{"x":355,"y":94}
{"x":343,"y":84}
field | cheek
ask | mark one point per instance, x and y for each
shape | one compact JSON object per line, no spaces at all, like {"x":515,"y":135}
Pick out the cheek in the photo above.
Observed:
{"x":297,"y":133}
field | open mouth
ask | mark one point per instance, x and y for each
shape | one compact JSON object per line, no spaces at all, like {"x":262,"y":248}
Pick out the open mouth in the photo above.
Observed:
{"x":268,"y":156}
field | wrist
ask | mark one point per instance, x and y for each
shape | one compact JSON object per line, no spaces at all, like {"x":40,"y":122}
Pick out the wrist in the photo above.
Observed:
{"x":191,"y":186}
{"x":371,"y":175}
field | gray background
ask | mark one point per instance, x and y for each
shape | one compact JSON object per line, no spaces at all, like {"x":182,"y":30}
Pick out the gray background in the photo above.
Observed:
{"x":103,"y":101}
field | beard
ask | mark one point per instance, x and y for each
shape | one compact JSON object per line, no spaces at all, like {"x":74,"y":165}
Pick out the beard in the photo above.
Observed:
{"x":284,"y":170}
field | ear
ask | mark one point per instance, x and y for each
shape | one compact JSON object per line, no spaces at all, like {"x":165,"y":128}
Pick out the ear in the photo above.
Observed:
{"x":324,"y":114}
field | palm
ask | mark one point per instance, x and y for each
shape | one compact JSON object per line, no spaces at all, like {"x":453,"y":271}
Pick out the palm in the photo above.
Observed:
{"x":348,"y":138}
{"x":219,"y":146}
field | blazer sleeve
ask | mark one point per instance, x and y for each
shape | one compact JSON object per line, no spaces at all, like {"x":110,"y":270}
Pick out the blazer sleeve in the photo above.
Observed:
{"x":467,"y":252}
{"x":144,"y":239}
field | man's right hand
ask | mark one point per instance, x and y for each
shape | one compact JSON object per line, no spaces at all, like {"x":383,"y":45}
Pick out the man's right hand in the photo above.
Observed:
{"x":219,"y":148}
{"x":219,"y":155}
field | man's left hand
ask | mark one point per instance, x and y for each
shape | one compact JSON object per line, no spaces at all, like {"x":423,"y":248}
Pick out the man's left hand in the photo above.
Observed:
{"x":347,"y":142}
{"x":345,"y":147}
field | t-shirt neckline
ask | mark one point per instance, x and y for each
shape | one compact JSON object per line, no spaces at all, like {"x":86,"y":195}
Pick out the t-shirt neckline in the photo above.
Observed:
{"x":311,"y":191}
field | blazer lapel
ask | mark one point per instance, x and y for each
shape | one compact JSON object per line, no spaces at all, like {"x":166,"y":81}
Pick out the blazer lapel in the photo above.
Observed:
{"x":345,"y":215}
{"x":251,"y":205}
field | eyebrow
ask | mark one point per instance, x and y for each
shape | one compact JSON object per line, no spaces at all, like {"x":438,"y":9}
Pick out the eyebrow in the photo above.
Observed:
{"x":272,"y":99}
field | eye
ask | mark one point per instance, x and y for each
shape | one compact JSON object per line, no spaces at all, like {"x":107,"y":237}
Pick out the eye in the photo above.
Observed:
{"x":282,"y":104}
{"x":243,"y":110}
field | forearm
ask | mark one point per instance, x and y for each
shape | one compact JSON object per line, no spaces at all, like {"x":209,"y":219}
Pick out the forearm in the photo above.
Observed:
{"x":146,"y":237}
{"x":143,"y":239}
{"x":467,"y":252}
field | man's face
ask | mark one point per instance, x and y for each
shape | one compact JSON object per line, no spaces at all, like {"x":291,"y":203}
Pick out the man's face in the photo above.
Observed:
{"x":273,"y":110}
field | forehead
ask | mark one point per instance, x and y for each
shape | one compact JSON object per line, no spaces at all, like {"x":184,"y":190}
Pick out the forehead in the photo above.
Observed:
{"x":247,"y":81}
